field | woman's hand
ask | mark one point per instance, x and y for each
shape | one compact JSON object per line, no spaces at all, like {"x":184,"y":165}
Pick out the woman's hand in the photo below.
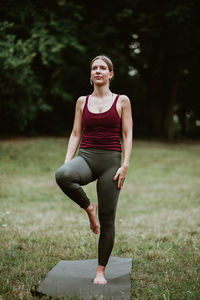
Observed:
{"x":121,"y":175}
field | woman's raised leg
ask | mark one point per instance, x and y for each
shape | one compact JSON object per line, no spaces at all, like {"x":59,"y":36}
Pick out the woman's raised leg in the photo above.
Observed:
{"x":70,"y":177}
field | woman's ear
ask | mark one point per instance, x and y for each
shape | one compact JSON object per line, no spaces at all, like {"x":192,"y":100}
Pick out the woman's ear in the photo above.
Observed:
{"x":111,"y":75}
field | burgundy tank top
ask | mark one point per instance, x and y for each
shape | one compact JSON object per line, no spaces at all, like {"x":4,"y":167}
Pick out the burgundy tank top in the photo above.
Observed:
{"x":101,"y":130}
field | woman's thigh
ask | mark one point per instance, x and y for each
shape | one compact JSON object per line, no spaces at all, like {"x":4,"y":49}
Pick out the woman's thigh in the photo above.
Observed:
{"x":76,"y":170}
{"x":108,"y":194}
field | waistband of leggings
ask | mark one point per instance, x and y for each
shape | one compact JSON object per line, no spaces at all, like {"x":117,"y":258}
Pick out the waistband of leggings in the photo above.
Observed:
{"x":99,"y":151}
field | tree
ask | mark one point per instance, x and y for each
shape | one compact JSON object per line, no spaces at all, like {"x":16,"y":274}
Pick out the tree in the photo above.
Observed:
{"x":34,"y":43}
{"x":46,"y":48}
{"x":165,"y":39}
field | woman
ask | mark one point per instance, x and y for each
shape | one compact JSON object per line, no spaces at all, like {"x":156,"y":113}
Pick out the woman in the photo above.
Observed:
{"x":101,"y":115}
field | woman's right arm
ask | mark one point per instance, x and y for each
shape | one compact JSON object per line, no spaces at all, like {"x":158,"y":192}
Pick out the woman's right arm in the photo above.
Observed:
{"x":76,"y":133}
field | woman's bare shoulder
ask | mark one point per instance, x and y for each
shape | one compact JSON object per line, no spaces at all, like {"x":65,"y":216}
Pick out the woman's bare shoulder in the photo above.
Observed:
{"x":124,"y":100}
{"x":81,"y":102}
{"x":81,"y":99}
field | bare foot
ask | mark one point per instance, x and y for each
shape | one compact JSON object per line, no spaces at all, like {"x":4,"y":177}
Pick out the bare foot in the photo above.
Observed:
{"x":92,"y":212}
{"x":99,"y":278}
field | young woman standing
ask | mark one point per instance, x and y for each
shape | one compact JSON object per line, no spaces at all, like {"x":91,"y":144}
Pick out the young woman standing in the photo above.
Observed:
{"x":100,"y":116}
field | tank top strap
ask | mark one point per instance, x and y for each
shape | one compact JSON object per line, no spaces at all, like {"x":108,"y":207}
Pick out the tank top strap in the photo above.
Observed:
{"x":86,"y":101}
{"x":116,"y":98}
{"x":115,"y":101}
{"x":86,"y":104}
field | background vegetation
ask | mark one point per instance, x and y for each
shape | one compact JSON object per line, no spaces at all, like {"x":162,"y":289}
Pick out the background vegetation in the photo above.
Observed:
{"x":46,"y":47}
{"x":157,"y":219}
{"x":45,"y":51}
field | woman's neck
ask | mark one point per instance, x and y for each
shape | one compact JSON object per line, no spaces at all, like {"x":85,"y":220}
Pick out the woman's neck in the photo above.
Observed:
{"x":101,"y":91}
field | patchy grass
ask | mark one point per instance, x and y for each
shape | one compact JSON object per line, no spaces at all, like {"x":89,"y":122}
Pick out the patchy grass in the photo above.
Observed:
{"x":157,"y":224}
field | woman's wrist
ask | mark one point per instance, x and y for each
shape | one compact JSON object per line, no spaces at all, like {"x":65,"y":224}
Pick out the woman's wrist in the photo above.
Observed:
{"x":125,"y":166}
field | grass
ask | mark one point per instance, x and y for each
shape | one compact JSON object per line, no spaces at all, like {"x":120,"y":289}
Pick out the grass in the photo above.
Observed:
{"x":157,"y":224}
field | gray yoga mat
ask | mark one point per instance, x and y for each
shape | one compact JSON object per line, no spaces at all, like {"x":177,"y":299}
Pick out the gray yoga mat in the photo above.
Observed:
{"x":74,"y":278}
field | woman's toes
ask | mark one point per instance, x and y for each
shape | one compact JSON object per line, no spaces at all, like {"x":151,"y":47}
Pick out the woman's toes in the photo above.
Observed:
{"x":100,"y":281}
{"x":99,"y":278}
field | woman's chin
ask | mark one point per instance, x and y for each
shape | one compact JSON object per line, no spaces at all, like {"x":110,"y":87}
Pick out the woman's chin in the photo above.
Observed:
{"x":100,"y":82}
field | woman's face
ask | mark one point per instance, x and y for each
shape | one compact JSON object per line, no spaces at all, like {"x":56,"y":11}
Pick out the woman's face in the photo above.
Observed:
{"x":100,"y":73}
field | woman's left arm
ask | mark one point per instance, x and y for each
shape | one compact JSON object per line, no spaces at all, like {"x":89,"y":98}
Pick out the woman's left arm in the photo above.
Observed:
{"x":127,"y":136}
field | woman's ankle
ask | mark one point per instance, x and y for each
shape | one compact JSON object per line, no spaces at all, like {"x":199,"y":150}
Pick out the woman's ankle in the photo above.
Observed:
{"x":90,"y":208}
{"x":101,"y":269}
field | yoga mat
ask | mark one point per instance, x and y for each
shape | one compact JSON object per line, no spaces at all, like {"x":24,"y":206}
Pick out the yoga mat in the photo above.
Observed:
{"x":74,"y":278}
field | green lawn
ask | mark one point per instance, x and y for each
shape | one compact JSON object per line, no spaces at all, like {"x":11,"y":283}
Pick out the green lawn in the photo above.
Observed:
{"x":158,"y":218}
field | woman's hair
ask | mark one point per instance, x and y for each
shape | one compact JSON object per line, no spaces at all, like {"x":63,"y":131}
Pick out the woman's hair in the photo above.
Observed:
{"x":105,"y":59}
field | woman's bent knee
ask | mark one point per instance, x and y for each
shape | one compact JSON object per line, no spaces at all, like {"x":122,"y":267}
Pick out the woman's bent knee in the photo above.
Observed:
{"x":60,"y":175}
{"x":64,"y":175}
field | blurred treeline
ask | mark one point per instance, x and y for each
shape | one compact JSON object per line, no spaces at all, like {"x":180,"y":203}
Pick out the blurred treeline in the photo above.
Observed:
{"x":46,"y":48}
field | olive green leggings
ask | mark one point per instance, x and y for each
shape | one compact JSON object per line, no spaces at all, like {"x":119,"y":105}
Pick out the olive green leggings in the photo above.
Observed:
{"x":89,"y":165}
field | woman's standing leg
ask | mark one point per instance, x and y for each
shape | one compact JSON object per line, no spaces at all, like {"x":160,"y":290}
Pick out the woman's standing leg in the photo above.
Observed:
{"x":108,"y":194}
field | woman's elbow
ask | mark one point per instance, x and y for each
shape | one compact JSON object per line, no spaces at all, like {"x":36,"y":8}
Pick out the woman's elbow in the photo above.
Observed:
{"x":76,"y":134}
{"x":127,"y":134}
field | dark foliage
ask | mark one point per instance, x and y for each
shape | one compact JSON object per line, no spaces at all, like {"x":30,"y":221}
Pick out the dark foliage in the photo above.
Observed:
{"x":46,"y":48}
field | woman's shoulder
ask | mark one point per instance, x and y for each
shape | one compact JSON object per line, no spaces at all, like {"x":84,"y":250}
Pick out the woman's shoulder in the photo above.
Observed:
{"x":124,"y":100}
{"x":81,"y":102}
{"x":81,"y":99}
